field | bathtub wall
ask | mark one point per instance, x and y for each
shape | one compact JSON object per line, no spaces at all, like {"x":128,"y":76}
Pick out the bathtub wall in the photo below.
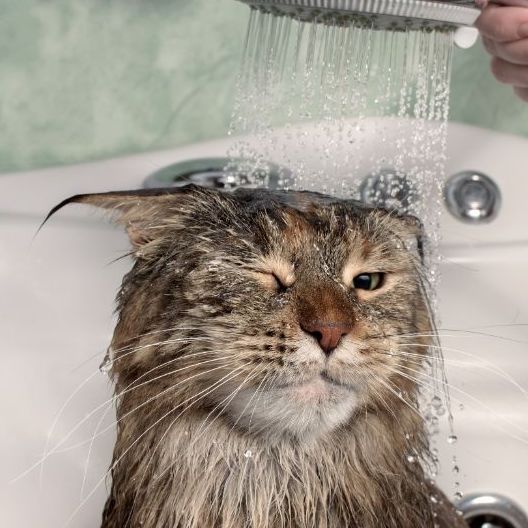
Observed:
{"x":83,"y":80}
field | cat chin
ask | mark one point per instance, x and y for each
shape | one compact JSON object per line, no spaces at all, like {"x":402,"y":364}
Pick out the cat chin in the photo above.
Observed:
{"x":304,"y":411}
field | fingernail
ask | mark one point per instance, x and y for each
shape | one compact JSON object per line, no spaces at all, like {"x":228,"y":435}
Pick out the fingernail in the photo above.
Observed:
{"x":523,"y":30}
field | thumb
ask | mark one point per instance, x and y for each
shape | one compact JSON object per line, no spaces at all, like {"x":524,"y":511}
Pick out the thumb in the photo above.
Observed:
{"x":515,"y":3}
{"x":504,"y":24}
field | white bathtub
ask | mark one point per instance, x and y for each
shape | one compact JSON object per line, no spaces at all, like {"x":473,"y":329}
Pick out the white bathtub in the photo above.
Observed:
{"x":56,"y":302}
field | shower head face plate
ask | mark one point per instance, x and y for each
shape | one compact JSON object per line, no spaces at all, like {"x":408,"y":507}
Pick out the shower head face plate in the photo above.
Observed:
{"x":398,"y":15}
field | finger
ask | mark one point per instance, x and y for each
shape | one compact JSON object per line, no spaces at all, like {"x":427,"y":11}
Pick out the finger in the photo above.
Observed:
{"x":514,"y":52}
{"x":490,"y":45}
{"x":508,"y":73}
{"x":503,"y":24}
{"x":520,"y":3}
{"x":522,"y":92}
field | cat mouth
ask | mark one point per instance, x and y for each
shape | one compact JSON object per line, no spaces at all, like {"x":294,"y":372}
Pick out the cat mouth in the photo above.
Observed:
{"x":319,"y":386}
{"x":322,"y":377}
{"x":328,"y":379}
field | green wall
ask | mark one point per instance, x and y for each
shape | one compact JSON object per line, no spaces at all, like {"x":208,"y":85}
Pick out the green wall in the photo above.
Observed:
{"x":88,"y":79}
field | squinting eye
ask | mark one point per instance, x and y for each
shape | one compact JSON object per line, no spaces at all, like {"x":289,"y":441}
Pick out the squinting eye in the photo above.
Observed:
{"x":273,"y":282}
{"x":369,"y":281}
{"x":279,"y":285}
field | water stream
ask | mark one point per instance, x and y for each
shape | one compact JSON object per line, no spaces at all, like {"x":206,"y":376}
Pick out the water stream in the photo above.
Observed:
{"x":351,"y":111}
{"x":333,"y":104}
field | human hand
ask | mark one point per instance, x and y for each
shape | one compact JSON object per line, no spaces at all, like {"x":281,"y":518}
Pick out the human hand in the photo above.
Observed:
{"x":504,"y":30}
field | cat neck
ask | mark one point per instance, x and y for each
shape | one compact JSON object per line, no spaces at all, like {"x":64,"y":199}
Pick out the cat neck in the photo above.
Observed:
{"x":208,"y":474}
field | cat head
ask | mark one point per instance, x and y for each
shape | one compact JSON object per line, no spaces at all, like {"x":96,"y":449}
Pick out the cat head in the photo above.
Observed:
{"x":281,"y":313}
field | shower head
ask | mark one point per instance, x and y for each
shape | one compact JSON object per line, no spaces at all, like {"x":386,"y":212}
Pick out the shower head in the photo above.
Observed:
{"x":381,"y":14}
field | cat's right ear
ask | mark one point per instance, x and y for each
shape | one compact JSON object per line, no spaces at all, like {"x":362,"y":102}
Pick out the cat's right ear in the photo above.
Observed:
{"x":143,"y":212}
{"x":414,"y":231}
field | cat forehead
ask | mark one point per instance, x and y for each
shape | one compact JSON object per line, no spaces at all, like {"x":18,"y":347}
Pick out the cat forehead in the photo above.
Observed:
{"x":298,"y":212}
{"x":301,"y":201}
{"x":288,"y":216}
{"x":302,"y":205}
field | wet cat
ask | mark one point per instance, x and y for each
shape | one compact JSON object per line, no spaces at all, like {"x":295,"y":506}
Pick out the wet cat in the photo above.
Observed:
{"x":263,"y":363}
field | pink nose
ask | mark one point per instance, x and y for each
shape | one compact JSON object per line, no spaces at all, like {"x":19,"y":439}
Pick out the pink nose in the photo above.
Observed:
{"x":327,"y":333}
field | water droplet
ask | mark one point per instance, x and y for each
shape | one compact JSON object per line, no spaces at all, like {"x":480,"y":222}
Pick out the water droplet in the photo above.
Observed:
{"x":452,"y":439}
{"x":456,"y":470}
{"x":461,"y":406}
{"x":411,"y":458}
{"x":434,"y":499}
{"x":459,"y":495}
{"x":248,"y":453}
{"x":436,"y":402}
{"x":107,"y":363}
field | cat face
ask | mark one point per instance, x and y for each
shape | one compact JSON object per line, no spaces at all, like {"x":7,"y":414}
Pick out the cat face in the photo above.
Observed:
{"x":283,"y":314}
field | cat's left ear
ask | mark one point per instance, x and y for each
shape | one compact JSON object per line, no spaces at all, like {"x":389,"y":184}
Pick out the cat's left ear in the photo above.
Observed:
{"x":413,"y":234}
{"x":142,"y":212}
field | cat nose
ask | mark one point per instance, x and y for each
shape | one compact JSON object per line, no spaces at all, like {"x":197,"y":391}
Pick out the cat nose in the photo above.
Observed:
{"x":327,"y":333}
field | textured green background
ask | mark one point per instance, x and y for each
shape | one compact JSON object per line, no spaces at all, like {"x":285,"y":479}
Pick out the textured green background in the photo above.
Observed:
{"x":87,"y":79}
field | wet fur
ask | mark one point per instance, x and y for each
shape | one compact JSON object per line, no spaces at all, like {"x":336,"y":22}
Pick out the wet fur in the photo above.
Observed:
{"x":211,"y":432}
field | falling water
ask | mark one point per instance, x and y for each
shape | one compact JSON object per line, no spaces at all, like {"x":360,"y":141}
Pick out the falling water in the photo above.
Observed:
{"x":331,"y":105}
{"x":336,"y":108}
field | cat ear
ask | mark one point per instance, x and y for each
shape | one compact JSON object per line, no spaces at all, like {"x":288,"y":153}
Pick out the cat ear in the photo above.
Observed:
{"x":141,"y":212}
{"x":414,"y":233}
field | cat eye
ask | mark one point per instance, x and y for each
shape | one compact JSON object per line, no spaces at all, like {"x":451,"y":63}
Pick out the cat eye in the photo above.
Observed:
{"x":275,"y":273}
{"x":280,"y":285}
{"x":272,"y":281}
{"x":369,"y":281}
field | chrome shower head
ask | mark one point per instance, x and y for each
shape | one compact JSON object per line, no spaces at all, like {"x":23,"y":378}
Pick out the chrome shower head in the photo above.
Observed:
{"x":382,"y":14}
